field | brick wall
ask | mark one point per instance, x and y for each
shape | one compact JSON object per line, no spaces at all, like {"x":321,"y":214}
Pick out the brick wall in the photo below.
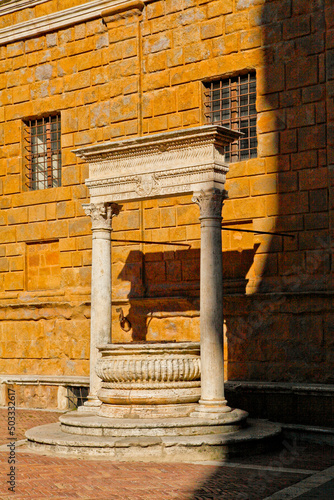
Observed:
{"x":128,"y":75}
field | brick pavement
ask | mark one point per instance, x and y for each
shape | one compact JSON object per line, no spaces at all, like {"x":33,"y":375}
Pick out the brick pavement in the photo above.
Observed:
{"x":25,"y":419}
{"x":45,"y":477}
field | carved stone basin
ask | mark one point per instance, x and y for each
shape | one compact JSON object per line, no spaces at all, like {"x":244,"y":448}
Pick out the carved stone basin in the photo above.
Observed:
{"x":149,"y":379}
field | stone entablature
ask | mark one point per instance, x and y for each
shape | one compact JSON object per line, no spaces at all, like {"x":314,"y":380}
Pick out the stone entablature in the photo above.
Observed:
{"x":178,"y":162}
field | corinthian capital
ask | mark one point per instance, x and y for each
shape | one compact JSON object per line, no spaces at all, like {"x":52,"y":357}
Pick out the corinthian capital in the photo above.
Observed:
{"x":101,"y":214}
{"x":210,"y":203}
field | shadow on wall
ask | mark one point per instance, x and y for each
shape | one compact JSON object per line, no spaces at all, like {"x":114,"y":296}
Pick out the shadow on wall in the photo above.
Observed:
{"x":164,"y":293}
{"x":282,"y":332}
{"x":273,"y":335}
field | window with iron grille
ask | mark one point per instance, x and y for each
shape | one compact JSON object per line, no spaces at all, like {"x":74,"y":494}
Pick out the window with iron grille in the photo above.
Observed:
{"x":42,"y":152}
{"x":231,"y":102}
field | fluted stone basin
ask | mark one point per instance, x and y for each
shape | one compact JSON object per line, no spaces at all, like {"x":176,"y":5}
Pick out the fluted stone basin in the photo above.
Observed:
{"x":149,"y":379}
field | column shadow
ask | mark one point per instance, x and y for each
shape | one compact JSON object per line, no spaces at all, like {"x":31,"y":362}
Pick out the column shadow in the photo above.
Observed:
{"x":165,"y":288}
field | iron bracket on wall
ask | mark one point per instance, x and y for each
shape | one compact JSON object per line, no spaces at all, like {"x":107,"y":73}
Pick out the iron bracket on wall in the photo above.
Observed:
{"x":189,"y":246}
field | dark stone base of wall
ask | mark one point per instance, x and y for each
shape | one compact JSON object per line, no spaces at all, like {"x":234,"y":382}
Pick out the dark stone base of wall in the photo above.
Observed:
{"x":306,"y":404}
{"x":280,"y":337}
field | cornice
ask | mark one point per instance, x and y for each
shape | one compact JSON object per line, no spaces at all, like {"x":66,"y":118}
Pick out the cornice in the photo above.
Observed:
{"x":64,"y":18}
{"x":117,"y":9}
{"x":13,"y":6}
{"x":44,"y":380}
{"x":158,"y":143}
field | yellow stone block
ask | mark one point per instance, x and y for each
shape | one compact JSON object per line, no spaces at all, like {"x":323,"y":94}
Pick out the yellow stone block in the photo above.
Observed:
{"x":237,"y":188}
{"x":174,"y":57}
{"x":268,"y":144}
{"x":37,"y":213}
{"x":124,"y":108}
{"x":65,"y":259}
{"x":77,"y":81}
{"x":197,"y":51}
{"x":188,"y":96}
{"x":151,"y":218}
{"x":192,"y":118}
{"x":168,"y":217}
{"x":5,"y":96}
{"x":219,"y":8}
{"x":158,"y":80}
{"x":211,"y":29}
{"x":65,"y":209}
{"x":126,"y":220}
{"x":236,"y":22}
{"x":12,"y":184}
{"x":20,"y":110}
{"x":156,"y":62}
{"x":15,"y":49}
{"x":12,"y":131}
{"x":4,"y":265}
{"x":80,"y":46}
{"x":76,"y":259}
{"x":175,"y":121}
{"x":188,"y":214}
{"x":157,"y":124}
{"x":178,"y":233}
{"x":193,"y":232}
{"x":21,"y":94}
{"x":156,"y":9}
{"x":14,"y":281}
{"x":162,"y":235}
{"x":250,"y":39}
{"x":67,"y":244}
{"x":86,"y":257}
{"x":99,"y":75}
{"x":263,"y":184}
{"x":164,"y":102}
{"x":79,"y":226}
{"x":242,"y":208}
{"x":271,"y":120}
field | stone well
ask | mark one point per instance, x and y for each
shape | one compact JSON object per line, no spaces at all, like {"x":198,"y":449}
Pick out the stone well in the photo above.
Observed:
{"x":157,"y":401}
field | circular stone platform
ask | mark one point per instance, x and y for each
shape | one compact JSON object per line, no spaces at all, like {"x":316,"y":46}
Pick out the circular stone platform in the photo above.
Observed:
{"x":159,"y":440}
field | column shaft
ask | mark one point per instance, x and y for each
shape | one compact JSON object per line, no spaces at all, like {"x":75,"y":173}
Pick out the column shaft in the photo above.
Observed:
{"x":211,"y":303}
{"x":100,"y":327}
{"x":100,"y":301}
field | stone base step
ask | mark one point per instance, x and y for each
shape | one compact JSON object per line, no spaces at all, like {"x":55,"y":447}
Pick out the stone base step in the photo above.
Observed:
{"x":257,"y":437}
{"x":95,"y":425}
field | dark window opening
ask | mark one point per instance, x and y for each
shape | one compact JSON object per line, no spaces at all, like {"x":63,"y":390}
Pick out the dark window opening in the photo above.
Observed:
{"x":231,"y":103}
{"x":76,"y":396}
{"x":42,"y":152}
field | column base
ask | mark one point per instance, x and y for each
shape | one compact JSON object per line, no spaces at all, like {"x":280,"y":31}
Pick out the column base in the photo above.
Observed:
{"x":91,"y":405}
{"x":211,"y":409}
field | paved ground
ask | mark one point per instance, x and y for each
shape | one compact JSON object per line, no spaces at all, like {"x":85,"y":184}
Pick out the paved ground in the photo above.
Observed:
{"x":295,"y":471}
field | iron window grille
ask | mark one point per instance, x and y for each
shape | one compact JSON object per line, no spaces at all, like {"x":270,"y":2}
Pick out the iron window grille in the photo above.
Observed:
{"x":76,"y":396}
{"x":231,"y":103}
{"x":42,"y":152}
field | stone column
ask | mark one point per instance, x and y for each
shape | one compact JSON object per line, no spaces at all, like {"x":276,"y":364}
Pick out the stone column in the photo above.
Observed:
{"x":212,"y":399}
{"x":100,"y":329}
